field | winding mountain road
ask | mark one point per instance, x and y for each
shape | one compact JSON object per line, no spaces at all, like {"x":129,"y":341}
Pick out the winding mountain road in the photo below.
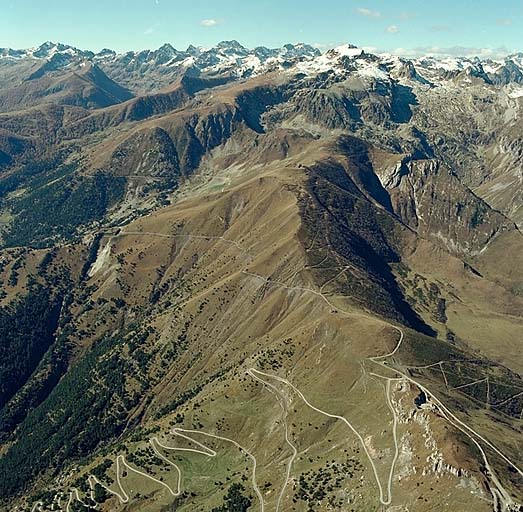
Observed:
{"x":502,"y":499}
{"x":253,"y":372}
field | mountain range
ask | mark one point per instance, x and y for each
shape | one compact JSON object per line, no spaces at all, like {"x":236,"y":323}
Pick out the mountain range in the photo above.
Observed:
{"x":260,"y":279}
{"x":148,"y":69}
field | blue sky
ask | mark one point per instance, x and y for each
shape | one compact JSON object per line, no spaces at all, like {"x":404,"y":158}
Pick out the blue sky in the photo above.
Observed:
{"x":405,"y":26}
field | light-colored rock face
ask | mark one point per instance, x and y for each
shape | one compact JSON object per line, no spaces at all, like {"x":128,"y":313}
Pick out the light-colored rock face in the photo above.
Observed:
{"x":431,"y":200}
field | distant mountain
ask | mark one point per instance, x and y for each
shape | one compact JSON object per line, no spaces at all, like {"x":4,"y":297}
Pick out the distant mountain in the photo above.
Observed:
{"x":148,"y":69}
{"x":63,"y":80}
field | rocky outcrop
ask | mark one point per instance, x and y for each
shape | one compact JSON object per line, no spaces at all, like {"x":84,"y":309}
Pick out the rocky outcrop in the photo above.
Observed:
{"x":431,"y":200}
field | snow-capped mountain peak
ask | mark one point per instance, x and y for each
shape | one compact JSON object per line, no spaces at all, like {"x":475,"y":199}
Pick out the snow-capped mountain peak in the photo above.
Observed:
{"x":347,"y":50}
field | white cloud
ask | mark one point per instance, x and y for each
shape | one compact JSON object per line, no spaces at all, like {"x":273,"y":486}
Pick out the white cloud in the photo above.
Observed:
{"x":151,"y":30}
{"x":368,"y":12}
{"x":323,"y":46}
{"x":436,"y":51}
{"x":393,"y":29}
{"x":209,"y":22}
{"x":504,"y":22}
{"x":453,"y":51}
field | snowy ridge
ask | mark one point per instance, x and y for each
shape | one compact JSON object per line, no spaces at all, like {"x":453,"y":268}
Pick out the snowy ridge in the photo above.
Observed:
{"x":230,"y":57}
{"x":227,"y":56}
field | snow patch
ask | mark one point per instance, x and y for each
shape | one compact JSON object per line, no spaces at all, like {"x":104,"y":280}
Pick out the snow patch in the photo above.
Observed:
{"x":347,"y":50}
{"x":516,"y":93}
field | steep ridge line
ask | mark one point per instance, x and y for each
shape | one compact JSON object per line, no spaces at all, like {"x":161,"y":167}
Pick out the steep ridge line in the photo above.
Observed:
{"x":506,"y":501}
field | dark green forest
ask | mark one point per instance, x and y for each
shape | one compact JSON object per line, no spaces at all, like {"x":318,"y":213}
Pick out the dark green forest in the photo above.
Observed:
{"x":27,"y":328}
{"x":52,"y":201}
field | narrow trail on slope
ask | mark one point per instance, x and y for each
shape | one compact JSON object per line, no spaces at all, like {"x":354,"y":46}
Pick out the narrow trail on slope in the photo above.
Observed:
{"x":502,"y":499}
{"x":122,"y":498}
{"x":281,"y":400}
{"x":75,"y":495}
{"x":500,"y":495}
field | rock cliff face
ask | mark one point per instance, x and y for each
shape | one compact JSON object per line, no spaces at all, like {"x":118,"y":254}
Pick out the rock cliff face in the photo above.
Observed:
{"x":428,"y":198}
{"x":266,"y":278}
